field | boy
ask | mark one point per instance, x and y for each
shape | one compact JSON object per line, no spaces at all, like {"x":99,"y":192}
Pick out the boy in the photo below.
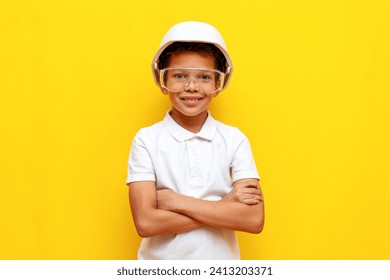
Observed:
{"x":192,"y":180}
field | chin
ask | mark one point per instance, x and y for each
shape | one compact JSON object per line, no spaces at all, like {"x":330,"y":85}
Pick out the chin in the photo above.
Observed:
{"x":190,"y":113}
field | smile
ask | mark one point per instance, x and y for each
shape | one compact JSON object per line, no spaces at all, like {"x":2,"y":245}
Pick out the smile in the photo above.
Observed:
{"x":191,"y":99}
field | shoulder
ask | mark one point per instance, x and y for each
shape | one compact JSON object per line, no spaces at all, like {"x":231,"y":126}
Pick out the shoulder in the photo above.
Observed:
{"x":147,"y":136}
{"x":150,"y":131}
{"x":229,"y":132}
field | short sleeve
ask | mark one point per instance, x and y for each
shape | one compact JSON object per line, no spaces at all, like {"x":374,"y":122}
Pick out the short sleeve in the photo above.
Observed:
{"x":140,"y":166}
{"x":243,"y":164}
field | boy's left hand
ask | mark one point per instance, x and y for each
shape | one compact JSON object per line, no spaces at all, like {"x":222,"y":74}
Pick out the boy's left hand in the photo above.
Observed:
{"x":246,"y":191}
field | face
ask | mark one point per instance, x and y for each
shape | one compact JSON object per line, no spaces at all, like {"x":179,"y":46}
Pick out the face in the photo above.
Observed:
{"x":191,"y":101}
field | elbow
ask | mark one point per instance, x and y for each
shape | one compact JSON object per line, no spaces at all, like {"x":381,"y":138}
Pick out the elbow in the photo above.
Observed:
{"x":258,"y":223}
{"x":144,"y":230}
{"x":143,"y":233}
{"x":259,"y":227}
{"x":256,"y":226}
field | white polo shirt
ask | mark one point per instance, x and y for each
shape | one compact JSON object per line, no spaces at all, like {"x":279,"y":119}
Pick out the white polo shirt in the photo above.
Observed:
{"x":202,"y":165}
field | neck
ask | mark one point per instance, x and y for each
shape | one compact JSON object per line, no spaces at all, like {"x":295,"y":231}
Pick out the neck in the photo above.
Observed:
{"x":190,"y":123}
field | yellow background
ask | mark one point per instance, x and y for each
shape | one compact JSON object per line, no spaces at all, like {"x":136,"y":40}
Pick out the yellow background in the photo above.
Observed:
{"x":310,"y":89}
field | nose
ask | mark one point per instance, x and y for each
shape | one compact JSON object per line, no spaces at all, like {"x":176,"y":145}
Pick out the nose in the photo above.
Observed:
{"x":191,"y":85}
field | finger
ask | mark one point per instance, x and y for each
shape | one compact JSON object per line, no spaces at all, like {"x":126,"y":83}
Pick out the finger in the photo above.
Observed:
{"x":251,"y":201}
{"x":259,"y":198}
{"x":247,"y":185}
{"x":252,"y":191}
{"x":250,"y":186}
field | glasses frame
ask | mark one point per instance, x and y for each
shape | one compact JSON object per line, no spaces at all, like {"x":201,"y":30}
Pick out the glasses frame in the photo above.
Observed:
{"x":221,"y":83}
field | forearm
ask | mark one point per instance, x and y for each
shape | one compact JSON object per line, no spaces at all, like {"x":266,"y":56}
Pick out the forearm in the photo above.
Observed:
{"x":228,"y":215}
{"x":150,"y":221}
{"x":157,"y":222}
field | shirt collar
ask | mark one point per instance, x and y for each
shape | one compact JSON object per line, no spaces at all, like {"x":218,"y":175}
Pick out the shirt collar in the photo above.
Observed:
{"x":181,"y":134}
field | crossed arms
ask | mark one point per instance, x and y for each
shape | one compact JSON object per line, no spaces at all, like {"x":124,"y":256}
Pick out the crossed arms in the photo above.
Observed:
{"x":167,"y":212}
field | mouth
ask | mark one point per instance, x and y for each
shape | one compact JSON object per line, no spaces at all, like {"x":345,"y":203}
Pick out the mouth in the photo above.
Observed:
{"x":191,"y":101}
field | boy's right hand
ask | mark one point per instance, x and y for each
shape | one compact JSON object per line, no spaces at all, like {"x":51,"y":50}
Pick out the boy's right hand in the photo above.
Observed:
{"x":246,"y":191}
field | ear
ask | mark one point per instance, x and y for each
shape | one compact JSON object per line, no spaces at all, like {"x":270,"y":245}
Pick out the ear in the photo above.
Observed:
{"x":164,"y":91}
{"x":215,"y":94}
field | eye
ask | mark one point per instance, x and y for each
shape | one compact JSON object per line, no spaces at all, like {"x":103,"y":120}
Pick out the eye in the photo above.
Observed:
{"x":179,"y":76}
{"x":205,"y":77}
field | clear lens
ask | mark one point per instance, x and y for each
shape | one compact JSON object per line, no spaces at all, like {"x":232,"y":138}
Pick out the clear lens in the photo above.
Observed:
{"x":208,"y":81}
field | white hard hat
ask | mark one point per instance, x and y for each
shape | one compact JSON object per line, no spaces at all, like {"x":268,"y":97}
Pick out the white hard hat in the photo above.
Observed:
{"x":193,"y":31}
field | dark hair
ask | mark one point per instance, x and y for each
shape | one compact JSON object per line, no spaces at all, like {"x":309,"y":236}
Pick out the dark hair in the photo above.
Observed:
{"x":202,"y":48}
